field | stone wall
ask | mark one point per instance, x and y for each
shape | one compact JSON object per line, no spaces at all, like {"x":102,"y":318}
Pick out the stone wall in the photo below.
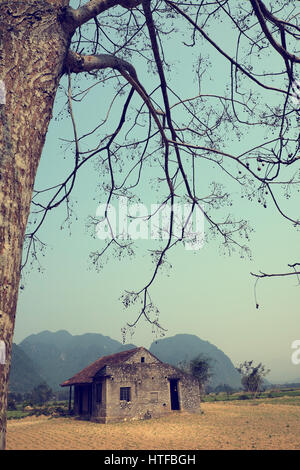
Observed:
{"x":150,"y":391}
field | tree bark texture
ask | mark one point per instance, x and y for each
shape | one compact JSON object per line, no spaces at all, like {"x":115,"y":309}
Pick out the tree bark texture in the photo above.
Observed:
{"x":33,"y":45}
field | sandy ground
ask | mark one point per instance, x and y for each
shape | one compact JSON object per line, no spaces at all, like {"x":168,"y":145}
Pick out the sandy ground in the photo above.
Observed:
{"x":223,"y":425}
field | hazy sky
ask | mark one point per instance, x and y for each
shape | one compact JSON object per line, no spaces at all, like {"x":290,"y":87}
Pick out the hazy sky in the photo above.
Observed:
{"x":206,"y":293}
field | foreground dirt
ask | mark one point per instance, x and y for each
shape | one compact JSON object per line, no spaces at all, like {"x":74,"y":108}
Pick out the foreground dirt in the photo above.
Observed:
{"x":222,"y":426}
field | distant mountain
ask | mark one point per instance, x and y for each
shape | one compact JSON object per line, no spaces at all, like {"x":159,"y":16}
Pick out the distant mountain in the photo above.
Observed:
{"x":184,"y":347}
{"x":57,"y":356}
{"x":23,"y":372}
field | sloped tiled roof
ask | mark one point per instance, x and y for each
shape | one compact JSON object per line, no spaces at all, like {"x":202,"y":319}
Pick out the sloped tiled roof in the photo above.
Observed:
{"x":87,"y":374}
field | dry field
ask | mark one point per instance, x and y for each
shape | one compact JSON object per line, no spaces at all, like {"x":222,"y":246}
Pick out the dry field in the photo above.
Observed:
{"x":224,"y":425}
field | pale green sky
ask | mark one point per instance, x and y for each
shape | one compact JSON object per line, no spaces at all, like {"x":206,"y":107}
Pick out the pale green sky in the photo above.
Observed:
{"x":205,"y":293}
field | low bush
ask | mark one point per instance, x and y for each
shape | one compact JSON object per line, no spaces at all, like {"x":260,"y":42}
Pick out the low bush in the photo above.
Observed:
{"x":243,"y":397}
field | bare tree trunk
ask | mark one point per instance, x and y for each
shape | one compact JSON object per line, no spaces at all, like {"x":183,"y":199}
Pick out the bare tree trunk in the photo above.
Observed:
{"x":33,"y":46}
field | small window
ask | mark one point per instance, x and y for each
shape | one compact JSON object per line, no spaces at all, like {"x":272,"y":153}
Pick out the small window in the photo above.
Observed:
{"x":99,"y":393}
{"x":125,"y":394}
{"x":142,"y":359}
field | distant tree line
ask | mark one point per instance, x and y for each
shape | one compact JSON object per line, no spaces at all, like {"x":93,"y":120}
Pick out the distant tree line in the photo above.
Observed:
{"x":39,"y":395}
{"x":201,"y":367}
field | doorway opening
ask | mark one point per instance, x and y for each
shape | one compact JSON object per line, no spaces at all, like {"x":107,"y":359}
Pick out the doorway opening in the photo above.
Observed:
{"x":174,"y":394}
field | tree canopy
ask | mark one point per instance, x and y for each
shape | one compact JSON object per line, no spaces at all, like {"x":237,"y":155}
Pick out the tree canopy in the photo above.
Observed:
{"x":200,"y":367}
{"x":252,"y":377}
{"x":192,"y":139}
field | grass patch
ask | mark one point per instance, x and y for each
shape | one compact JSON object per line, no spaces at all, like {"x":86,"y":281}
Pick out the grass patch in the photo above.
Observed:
{"x":17,"y":414}
{"x":285,"y":396}
{"x":282,"y":400}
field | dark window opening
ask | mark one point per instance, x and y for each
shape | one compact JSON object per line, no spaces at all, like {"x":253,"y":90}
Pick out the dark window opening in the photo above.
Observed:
{"x":99,"y":393}
{"x":142,"y":359}
{"x":125,"y":393}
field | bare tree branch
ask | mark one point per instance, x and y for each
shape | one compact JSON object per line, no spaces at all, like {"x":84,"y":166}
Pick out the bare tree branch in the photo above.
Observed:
{"x":77,"y":63}
{"x":278,"y":47}
{"x":94,"y":8}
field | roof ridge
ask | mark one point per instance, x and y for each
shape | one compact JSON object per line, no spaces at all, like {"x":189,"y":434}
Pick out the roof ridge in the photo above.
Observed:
{"x":90,"y":370}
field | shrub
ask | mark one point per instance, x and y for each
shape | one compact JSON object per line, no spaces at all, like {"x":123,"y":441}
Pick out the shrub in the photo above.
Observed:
{"x":243,"y":397}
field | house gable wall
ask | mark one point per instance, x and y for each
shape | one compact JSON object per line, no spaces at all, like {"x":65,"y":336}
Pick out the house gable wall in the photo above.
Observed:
{"x":147,"y":357}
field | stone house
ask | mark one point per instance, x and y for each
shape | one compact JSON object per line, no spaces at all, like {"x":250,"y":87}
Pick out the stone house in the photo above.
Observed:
{"x":132,"y":384}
